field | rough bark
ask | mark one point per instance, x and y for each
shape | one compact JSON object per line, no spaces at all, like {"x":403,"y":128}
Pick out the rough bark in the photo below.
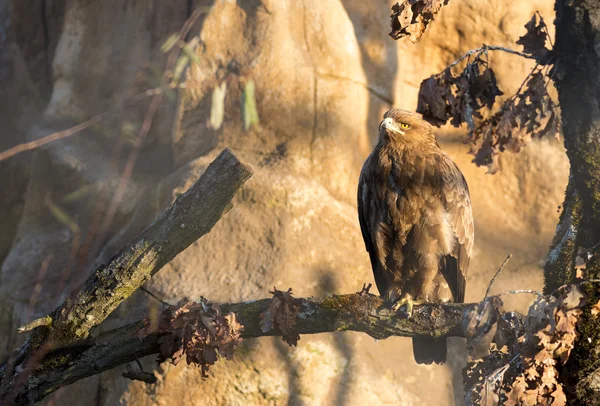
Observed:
{"x":577,"y":76}
{"x":353,"y":312}
{"x":191,"y":216}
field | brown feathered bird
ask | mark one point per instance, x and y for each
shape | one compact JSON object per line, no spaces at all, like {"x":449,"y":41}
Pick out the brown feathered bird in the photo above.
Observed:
{"x":415,"y":215}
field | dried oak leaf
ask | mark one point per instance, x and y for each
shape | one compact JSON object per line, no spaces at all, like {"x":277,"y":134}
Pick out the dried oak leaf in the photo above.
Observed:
{"x":595,"y":310}
{"x":197,"y":330}
{"x":518,"y":392}
{"x":560,"y":399}
{"x":434,"y":93}
{"x":534,"y":103}
{"x":280,"y":316}
{"x":519,"y":119}
{"x":490,"y":395}
{"x":573,"y":298}
{"x":412,"y":17}
{"x":483,"y":378}
{"x":483,"y":86}
{"x":534,"y":41}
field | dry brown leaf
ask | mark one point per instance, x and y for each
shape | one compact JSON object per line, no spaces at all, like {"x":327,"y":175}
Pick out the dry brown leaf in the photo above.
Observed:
{"x":530,"y":113}
{"x":459,"y":98}
{"x":517,"y":392}
{"x":280,"y":316}
{"x":560,"y":399}
{"x":434,"y":100}
{"x":197,"y":330}
{"x":595,"y":310}
{"x":490,"y":393}
{"x":411,"y":17}
{"x":550,"y":334}
{"x":534,"y":41}
{"x":574,"y":298}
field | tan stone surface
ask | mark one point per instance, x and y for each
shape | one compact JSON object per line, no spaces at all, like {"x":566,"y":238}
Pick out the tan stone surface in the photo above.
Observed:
{"x":325,"y":71}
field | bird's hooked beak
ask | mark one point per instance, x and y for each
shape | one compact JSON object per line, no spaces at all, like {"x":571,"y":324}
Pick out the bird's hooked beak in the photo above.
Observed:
{"x":388,"y":124}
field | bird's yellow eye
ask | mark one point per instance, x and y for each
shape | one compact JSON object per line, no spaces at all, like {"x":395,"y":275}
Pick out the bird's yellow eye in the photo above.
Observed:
{"x":404,"y":126}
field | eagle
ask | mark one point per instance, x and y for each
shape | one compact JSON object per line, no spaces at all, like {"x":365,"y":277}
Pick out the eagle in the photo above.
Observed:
{"x":416,"y":220}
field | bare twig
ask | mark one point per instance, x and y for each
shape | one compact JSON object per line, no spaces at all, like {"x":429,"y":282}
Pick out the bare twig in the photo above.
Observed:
{"x":28,"y":146}
{"x":484,"y":48}
{"x":42,"y":321}
{"x":365,"y":289}
{"x":561,"y":288}
{"x":158,"y":299}
{"x":142,"y":376}
{"x":498,"y":272}
{"x":519,"y":291}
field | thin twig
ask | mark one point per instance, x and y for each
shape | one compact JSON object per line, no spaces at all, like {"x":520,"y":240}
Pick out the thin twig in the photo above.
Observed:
{"x":576,"y":283}
{"x":518,"y":291}
{"x":28,"y":146}
{"x":530,"y":74}
{"x":139,"y":364}
{"x":508,"y":257}
{"x":146,"y":377}
{"x":42,"y":321}
{"x":484,"y":48}
{"x":143,"y":289}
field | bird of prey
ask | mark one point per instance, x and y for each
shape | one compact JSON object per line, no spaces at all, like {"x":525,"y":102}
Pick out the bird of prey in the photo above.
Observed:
{"x":416,"y":220}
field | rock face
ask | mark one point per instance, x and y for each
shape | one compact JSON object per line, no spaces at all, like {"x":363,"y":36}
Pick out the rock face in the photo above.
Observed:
{"x":325,"y":71}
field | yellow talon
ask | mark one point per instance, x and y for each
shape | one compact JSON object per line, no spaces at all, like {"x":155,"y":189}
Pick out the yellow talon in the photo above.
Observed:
{"x":407,"y":301}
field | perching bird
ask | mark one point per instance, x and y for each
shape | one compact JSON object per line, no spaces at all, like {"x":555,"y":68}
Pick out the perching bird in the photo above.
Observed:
{"x":415,"y":215}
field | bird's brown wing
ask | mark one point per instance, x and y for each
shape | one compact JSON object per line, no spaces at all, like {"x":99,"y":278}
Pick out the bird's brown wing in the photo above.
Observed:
{"x":365,"y":213}
{"x":455,"y":194}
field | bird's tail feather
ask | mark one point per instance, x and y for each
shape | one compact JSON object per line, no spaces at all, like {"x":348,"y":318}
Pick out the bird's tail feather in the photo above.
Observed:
{"x":427,"y":350}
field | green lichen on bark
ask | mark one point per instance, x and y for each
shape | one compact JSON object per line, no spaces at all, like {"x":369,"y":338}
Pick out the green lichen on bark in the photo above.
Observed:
{"x":585,"y":357}
{"x":192,"y":215}
{"x":577,"y":77}
{"x":559,"y":269}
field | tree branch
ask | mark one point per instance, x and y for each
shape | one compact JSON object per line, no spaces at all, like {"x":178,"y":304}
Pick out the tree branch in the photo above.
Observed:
{"x":192,"y":215}
{"x":352,"y":312}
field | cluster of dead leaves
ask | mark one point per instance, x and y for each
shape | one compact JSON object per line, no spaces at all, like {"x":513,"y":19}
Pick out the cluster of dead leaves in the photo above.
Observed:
{"x":550,"y":334}
{"x":461,"y":98}
{"x":411,"y":18}
{"x":280,"y":316}
{"x":197,"y":330}
{"x":529,"y":114}
{"x":523,"y":371}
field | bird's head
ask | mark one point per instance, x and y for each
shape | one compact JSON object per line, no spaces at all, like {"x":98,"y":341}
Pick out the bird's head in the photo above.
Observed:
{"x":405,"y":126}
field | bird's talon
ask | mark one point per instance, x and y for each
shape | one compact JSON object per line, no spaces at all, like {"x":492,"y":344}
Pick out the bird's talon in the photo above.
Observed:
{"x":407,"y":302}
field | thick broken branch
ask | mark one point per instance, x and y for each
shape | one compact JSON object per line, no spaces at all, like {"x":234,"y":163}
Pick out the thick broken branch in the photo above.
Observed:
{"x":191,"y":216}
{"x":354,"y":312}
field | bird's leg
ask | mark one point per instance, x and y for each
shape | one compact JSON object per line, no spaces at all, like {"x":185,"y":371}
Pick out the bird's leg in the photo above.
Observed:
{"x":406,"y":300}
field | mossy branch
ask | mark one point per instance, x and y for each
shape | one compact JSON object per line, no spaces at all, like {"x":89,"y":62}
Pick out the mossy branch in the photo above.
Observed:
{"x":67,"y":329}
{"x":362,"y":312}
{"x":192,"y":215}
